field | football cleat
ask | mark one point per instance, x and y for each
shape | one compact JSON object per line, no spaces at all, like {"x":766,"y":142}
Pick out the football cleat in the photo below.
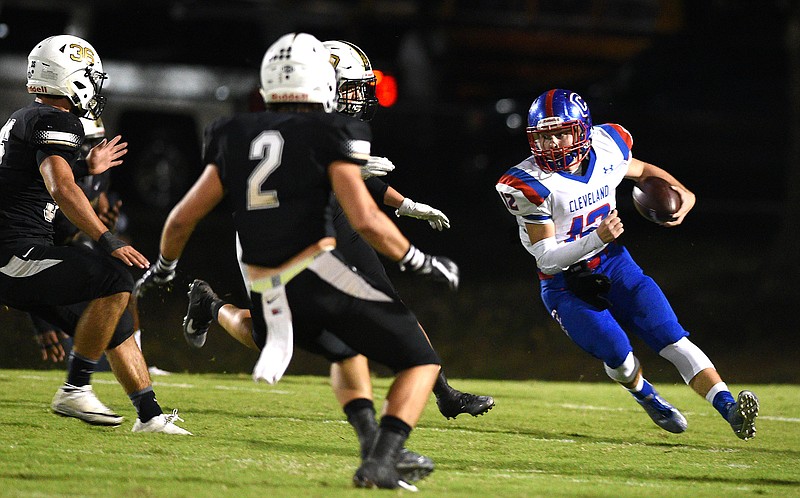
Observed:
{"x":373,"y":474}
{"x":198,"y":315}
{"x":742,"y":415}
{"x":81,"y":402}
{"x":164,"y":424}
{"x":412,"y":466}
{"x":663,"y":414}
{"x":455,"y":403}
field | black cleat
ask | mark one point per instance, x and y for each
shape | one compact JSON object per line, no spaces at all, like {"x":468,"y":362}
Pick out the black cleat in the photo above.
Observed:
{"x":456,"y":403}
{"x":742,"y":415}
{"x":373,"y":474}
{"x":198,"y":315}
{"x":412,"y":466}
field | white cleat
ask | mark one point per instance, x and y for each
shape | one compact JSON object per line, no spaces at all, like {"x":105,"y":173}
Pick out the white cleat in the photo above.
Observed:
{"x":162,"y":423}
{"x":81,"y":402}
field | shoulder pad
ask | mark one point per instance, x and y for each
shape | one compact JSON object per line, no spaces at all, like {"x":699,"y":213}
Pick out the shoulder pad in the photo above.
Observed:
{"x":59,"y":128}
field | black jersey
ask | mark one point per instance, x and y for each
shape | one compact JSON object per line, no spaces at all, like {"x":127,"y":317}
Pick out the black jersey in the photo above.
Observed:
{"x":274,"y":167}
{"x":31,"y":134}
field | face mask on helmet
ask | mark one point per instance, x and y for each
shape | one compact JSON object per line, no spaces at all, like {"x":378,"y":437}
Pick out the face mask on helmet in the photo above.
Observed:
{"x":296,"y":69}
{"x":559,"y":130}
{"x":355,"y":79}
{"x":68,"y":66}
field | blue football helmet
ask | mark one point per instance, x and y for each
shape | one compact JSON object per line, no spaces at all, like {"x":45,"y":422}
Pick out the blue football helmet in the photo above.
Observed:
{"x":555,"y":112}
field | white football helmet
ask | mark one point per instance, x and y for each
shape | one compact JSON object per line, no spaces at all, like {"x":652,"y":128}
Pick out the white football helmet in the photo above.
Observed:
{"x":297,"y":69}
{"x":93,"y":128}
{"x":66,"y":65}
{"x":93,"y":133}
{"x":355,"y":80}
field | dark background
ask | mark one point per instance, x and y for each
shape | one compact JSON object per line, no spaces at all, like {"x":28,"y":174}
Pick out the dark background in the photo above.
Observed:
{"x":708,"y":90}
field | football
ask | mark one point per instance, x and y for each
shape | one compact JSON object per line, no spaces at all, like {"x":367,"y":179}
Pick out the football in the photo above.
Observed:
{"x":655,"y":199}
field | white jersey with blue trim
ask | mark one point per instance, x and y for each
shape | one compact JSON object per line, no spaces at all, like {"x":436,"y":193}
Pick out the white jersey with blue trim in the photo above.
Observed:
{"x":574,"y":203}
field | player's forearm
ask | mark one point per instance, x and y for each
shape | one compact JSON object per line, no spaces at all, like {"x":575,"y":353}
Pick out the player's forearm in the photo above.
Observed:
{"x":383,"y":235}
{"x":76,"y":207}
{"x":393,"y":198}
{"x":552,"y":257}
{"x":175,"y":236}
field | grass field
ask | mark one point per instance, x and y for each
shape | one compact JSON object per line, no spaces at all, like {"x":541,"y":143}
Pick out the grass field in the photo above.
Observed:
{"x":545,"y":439}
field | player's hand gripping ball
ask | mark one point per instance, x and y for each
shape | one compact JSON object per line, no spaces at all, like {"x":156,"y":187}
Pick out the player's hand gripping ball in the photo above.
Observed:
{"x":656,"y":200}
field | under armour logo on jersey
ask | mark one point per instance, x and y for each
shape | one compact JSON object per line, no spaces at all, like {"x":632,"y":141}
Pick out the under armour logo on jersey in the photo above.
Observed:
{"x":608,"y":169}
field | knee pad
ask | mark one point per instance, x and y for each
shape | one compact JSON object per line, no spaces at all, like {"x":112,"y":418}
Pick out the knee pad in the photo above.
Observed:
{"x":626,"y":372}
{"x":687,"y":358}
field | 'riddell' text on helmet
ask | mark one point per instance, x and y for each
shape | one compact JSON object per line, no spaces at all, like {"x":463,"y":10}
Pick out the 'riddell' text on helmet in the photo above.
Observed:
{"x":68,"y":66}
{"x":559,"y":112}
{"x":355,"y":80}
{"x":297,"y":69}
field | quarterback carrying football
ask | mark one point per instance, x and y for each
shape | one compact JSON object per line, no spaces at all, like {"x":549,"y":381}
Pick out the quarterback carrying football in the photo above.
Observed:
{"x":563,"y":198}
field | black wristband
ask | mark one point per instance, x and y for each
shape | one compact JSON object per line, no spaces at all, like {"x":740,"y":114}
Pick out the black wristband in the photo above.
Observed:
{"x":110,"y":243}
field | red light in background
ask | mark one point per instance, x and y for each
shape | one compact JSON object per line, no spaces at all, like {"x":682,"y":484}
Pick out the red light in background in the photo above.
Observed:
{"x":385,"y":88}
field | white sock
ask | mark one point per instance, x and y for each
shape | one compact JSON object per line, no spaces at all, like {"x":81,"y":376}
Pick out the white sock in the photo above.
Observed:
{"x":717,"y":388}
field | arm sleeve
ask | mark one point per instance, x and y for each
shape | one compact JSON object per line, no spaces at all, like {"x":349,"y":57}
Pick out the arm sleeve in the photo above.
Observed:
{"x":377,"y":188}
{"x":552,"y":257}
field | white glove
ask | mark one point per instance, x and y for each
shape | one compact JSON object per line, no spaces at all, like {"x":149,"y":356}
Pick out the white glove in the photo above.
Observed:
{"x":433,"y":216}
{"x":376,"y":166}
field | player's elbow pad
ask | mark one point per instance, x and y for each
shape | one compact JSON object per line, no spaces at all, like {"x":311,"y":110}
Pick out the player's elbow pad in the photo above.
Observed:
{"x":552,"y":257}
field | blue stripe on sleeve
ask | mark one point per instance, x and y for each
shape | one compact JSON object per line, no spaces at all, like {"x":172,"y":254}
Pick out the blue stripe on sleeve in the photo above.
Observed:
{"x":537,"y":217}
{"x":532,"y":182}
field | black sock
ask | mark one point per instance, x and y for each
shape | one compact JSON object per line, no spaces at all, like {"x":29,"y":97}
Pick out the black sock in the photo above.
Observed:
{"x":441,"y":387}
{"x":216,"y":304}
{"x":389,"y":440}
{"x":361,"y":415}
{"x":80,"y":370}
{"x":145,"y":403}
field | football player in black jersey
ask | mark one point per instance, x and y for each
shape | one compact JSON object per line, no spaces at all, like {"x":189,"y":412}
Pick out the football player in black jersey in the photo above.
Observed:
{"x":356,"y":84}
{"x":50,"y":338}
{"x":82,"y":292}
{"x":278,"y":170}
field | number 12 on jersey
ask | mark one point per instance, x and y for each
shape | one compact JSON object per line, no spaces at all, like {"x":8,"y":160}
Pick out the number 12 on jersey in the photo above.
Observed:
{"x":576,"y":229}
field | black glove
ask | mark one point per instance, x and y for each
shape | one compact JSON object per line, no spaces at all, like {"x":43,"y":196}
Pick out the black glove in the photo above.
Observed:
{"x":158,"y":275}
{"x":436,"y":268}
{"x":592,"y":288}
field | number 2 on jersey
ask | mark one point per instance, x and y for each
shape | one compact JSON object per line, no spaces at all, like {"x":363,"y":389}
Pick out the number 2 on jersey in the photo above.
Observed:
{"x":268,"y":147}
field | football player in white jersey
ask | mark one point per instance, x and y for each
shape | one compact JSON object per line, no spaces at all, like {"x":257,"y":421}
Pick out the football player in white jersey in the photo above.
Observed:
{"x":564,"y":199}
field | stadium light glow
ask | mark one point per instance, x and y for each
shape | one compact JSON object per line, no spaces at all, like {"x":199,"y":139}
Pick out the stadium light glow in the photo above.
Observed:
{"x":385,"y":88}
